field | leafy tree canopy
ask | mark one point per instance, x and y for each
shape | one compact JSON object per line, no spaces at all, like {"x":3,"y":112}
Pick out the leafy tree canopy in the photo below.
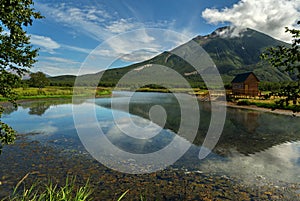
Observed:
{"x":289,"y":58}
{"x":39,"y":80}
{"x":16,"y":53}
{"x":284,"y":56}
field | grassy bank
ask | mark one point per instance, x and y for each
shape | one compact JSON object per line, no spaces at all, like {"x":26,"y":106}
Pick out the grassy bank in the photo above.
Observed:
{"x":271,"y":104}
{"x":69,"y":92}
{"x":58,"y":92}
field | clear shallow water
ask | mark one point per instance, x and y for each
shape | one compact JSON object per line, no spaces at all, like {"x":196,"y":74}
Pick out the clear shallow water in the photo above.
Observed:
{"x":255,"y":147}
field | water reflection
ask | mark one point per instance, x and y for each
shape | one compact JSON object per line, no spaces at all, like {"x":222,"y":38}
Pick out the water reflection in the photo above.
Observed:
{"x":254,"y":146}
{"x":39,"y":109}
{"x":246,"y":121}
{"x":41,"y":120}
{"x":245,"y":131}
{"x":36,"y":107}
{"x":277,"y":164}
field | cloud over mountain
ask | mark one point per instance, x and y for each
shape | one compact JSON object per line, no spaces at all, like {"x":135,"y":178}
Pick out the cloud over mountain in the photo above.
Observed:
{"x":268,"y":16}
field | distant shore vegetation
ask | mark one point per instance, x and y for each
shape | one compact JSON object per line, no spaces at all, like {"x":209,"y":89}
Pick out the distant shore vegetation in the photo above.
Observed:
{"x":58,"y":92}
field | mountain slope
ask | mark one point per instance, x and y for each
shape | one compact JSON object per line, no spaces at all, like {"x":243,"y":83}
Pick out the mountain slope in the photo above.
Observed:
{"x":234,"y":55}
{"x":231,"y":54}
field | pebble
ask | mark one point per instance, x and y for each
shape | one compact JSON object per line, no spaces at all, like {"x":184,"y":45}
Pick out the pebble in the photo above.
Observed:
{"x":169,"y":184}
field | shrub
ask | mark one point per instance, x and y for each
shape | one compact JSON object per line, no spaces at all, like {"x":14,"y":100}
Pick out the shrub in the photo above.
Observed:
{"x":243,"y":102}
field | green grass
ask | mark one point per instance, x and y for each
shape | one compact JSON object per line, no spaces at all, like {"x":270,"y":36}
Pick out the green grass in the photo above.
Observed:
{"x":58,"y":92}
{"x":271,"y":104}
{"x":51,"y":192}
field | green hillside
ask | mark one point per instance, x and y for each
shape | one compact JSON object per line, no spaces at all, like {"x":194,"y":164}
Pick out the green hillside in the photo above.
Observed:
{"x":232,"y":55}
{"x":62,"y":80}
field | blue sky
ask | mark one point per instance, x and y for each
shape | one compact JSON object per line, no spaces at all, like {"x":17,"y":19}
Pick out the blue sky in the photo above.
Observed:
{"x":115,"y":33}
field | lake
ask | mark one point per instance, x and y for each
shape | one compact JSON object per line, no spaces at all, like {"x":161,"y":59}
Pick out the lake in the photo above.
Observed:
{"x":257,"y":156}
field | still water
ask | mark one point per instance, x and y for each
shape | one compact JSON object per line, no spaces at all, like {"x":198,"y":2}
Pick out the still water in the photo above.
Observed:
{"x":255,"y":148}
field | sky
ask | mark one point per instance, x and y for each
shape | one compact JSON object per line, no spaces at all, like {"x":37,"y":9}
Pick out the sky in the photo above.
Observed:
{"x":79,"y":37}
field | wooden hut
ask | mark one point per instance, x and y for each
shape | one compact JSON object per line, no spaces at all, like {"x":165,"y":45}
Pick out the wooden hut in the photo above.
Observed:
{"x":245,"y":84}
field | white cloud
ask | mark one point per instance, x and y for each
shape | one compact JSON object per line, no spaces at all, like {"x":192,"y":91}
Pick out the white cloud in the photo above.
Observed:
{"x":121,"y":26}
{"x":139,"y":45}
{"x":268,"y":16}
{"x":56,"y":65}
{"x":140,"y":55}
{"x":60,"y":60}
{"x":55,"y":68}
{"x":132,"y":43}
{"x":86,"y":20}
{"x":77,"y":49}
{"x":46,"y":43}
{"x":102,"y":26}
{"x":125,"y":39}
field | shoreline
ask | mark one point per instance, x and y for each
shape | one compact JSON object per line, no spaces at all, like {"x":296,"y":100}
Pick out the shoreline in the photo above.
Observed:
{"x":262,"y":109}
{"x":228,"y":104}
{"x":39,"y":98}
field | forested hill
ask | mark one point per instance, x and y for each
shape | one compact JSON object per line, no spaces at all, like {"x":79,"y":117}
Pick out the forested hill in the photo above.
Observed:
{"x":232,"y":53}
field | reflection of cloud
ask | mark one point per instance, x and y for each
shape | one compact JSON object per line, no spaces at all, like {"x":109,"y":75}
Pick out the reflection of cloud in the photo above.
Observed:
{"x":46,"y":128}
{"x":56,"y":116}
{"x":278,"y":163}
{"x":268,"y":16}
{"x":86,"y":124}
{"x":137,"y":127}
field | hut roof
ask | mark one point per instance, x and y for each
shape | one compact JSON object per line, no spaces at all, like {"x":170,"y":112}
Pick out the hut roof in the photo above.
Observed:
{"x":242,"y":77}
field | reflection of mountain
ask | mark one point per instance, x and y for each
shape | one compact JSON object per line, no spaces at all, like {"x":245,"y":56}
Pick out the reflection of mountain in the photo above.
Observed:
{"x":39,"y":107}
{"x":245,"y":131}
{"x":246,"y":121}
{"x":258,"y":131}
{"x":36,"y":107}
{"x":8,"y":108}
